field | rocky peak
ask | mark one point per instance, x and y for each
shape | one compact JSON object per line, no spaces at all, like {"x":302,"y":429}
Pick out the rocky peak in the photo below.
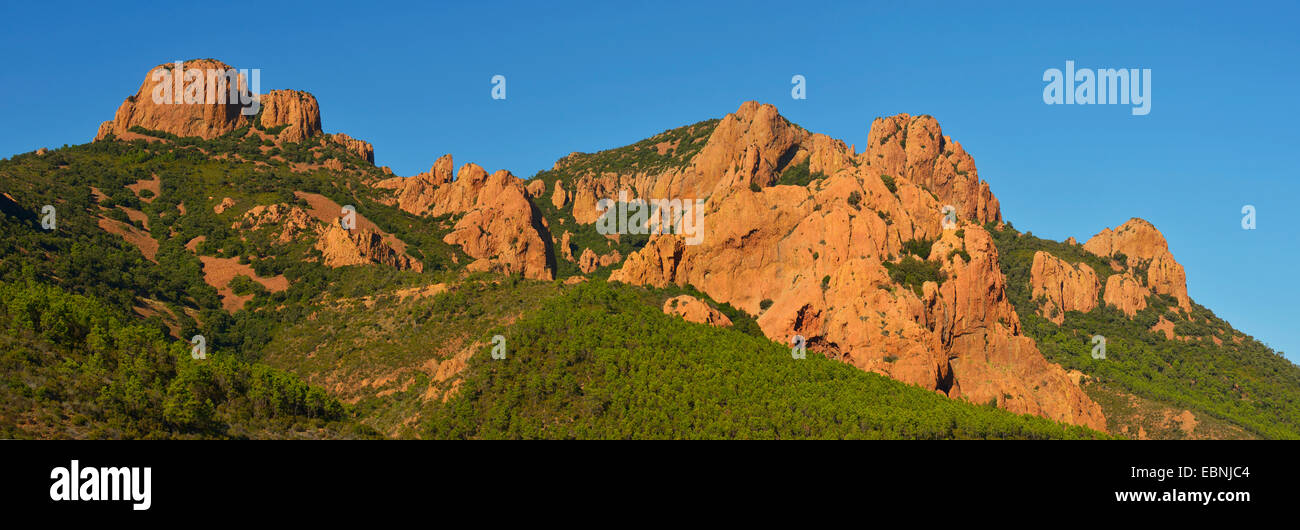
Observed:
{"x":915,"y":148}
{"x":499,"y":225}
{"x":297,"y":111}
{"x":206,"y":119}
{"x":748,"y":146}
{"x":362,"y":149}
{"x":811,"y":261}
{"x":1142,"y":245}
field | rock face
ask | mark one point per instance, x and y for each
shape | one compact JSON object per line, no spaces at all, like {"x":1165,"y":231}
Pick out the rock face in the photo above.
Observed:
{"x":288,"y":221}
{"x":559,"y":198}
{"x":750,"y":147}
{"x":360,"y":246}
{"x":206,"y":120}
{"x":589,"y":261}
{"x":536,"y":188}
{"x":357,"y":147}
{"x":225,"y":203}
{"x":694,"y":310}
{"x":915,"y":147}
{"x":338,"y":247}
{"x":418,"y":194}
{"x":499,"y":225}
{"x":502,"y":231}
{"x":1144,"y":247}
{"x":812,"y":260}
{"x":1126,"y":293}
{"x":1062,"y":287}
{"x":297,"y":111}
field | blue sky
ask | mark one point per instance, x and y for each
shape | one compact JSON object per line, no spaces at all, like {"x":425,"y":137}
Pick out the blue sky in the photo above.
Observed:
{"x":415,"y":81}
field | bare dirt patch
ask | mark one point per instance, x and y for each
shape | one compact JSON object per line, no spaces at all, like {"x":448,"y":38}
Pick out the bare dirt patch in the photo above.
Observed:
{"x":153,"y":184}
{"x":218,"y":272}
{"x":141,"y":239}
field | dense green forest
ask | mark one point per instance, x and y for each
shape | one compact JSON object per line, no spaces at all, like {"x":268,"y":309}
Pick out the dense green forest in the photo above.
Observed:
{"x":598,"y":362}
{"x":75,"y":368}
{"x":1240,"y":380}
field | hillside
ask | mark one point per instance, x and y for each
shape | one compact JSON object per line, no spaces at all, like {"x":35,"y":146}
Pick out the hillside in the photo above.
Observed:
{"x":368,"y":301}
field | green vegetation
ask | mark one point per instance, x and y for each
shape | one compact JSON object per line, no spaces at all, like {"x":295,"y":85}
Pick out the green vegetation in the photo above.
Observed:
{"x":1241,"y":380}
{"x":243,"y":285}
{"x":798,"y":175}
{"x":889,"y":183}
{"x":913,"y":273}
{"x":75,"y":368}
{"x":671,"y":149}
{"x":918,"y":247}
{"x":81,"y":259}
{"x":598,"y":363}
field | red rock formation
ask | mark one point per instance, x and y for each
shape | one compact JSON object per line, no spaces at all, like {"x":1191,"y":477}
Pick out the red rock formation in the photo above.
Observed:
{"x":499,"y":227}
{"x":360,"y":246}
{"x":589,"y":261}
{"x":225,"y":203}
{"x":565,"y":247}
{"x":810,"y":260}
{"x":1126,"y":293}
{"x":692,"y":309}
{"x":203,"y":119}
{"x":1144,"y":246}
{"x":297,"y":111}
{"x":749,"y":147}
{"x":536,"y":188}
{"x":501,"y":233}
{"x":559,"y":198}
{"x":290,"y":221}
{"x":915,"y":148}
{"x":339,"y":247}
{"x":357,"y":147}
{"x":418,"y":194}
{"x":1062,"y":287}
{"x":819,"y":260}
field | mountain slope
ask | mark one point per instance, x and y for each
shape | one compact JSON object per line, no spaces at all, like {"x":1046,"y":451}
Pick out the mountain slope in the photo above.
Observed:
{"x":1183,"y":359}
{"x":286,"y":247}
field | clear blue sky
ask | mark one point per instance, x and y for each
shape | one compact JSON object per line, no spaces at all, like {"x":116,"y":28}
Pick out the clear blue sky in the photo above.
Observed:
{"x":415,"y":81}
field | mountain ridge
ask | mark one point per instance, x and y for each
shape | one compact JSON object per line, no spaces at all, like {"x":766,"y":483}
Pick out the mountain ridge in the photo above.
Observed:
{"x":892,"y":260}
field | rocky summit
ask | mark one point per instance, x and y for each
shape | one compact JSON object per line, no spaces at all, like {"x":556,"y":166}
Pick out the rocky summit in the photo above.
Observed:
{"x":829,"y":291}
